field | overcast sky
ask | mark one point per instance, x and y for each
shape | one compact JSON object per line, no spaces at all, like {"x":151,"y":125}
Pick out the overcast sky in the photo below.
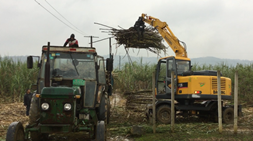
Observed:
{"x":218,"y":28}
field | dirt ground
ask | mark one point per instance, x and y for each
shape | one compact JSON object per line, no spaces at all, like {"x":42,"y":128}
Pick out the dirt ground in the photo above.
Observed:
{"x":10,"y":112}
{"x":120,"y":122}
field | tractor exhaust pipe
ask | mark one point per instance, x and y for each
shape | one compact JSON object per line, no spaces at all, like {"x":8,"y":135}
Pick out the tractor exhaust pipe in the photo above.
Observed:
{"x":47,"y":67}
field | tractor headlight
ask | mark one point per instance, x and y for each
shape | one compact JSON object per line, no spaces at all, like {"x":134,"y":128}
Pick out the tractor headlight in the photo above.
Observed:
{"x":45,"y":106}
{"x":67,"y":106}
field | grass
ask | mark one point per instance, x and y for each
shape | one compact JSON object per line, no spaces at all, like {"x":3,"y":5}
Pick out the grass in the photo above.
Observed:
{"x":194,"y":137}
{"x":182,"y":132}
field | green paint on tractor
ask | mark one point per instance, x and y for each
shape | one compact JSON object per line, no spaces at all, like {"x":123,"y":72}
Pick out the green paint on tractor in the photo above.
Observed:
{"x":56,"y":113}
{"x":60,"y":92}
{"x":78,"y":82}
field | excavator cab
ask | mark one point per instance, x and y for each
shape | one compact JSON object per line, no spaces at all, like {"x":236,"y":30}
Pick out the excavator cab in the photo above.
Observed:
{"x":163,"y":74}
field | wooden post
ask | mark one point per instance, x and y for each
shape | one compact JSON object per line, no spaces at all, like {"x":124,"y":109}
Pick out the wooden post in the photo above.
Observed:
{"x":236,"y":102}
{"x":154,"y":108}
{"x":172,"y":103}
{"x":219,"y":102}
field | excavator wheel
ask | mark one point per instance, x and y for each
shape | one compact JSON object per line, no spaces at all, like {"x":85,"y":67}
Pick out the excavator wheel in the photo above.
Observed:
{"x":228,"y":115}
{"x":163,"y":114}
{"x":15,"y":132}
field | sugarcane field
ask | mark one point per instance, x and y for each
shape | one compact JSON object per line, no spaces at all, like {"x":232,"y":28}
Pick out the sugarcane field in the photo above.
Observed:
{"x":126,"y":70}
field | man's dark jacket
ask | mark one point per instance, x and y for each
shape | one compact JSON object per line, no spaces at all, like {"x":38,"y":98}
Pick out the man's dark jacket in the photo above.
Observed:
{"x":27,"y":99}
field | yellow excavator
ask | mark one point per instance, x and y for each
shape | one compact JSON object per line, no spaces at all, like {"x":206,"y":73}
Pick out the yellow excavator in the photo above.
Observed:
{"x":195,"y":92}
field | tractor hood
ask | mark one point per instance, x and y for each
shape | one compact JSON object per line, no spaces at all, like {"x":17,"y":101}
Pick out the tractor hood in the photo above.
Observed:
{"x":56,"y":98}
{"x":60,"y":92}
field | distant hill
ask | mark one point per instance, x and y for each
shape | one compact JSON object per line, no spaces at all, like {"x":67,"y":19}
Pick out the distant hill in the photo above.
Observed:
{"x":214,"y":61}
{"x":195,"y":61}
{"x":120,"y":60}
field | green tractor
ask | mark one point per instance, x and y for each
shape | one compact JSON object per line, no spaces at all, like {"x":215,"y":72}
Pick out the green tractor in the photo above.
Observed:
{"x":73,"y":90}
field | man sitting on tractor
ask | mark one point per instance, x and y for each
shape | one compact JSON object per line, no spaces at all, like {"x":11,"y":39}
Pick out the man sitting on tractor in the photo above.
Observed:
{"x":71,"y":41}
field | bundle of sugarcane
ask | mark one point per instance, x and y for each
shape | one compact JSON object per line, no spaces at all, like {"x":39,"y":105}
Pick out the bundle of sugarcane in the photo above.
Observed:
{"x":130,"y":38}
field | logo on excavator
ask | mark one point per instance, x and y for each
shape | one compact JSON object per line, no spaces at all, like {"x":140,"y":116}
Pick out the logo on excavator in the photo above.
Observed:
{"x":201,"y":84}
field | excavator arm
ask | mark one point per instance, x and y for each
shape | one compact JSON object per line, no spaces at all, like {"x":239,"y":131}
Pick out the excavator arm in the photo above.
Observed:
{"x":167,"y":35}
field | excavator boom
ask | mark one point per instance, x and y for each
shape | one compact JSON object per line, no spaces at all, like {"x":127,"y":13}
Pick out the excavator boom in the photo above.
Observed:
{"x":167,"y":35}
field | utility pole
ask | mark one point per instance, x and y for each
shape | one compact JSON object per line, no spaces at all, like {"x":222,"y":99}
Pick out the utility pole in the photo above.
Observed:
{"x":91,"y":39}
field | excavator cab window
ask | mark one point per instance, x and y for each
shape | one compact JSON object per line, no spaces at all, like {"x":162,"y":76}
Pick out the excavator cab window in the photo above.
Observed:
{"x":182,"y":66}
{"x":171,"y":66}
{"x":161,"y":75}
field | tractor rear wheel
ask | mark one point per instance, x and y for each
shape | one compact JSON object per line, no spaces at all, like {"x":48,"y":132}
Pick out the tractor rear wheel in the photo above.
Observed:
{"x":34,"y":113}
{"x":100,"y":131}
{"x":108,"y":109}
{"x":163,"y":114}
{"x":107,"y":114}
{"x":15,"y":132}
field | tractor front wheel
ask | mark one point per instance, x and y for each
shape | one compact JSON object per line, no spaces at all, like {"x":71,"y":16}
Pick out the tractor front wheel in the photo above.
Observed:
{"x":15,"y":132}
